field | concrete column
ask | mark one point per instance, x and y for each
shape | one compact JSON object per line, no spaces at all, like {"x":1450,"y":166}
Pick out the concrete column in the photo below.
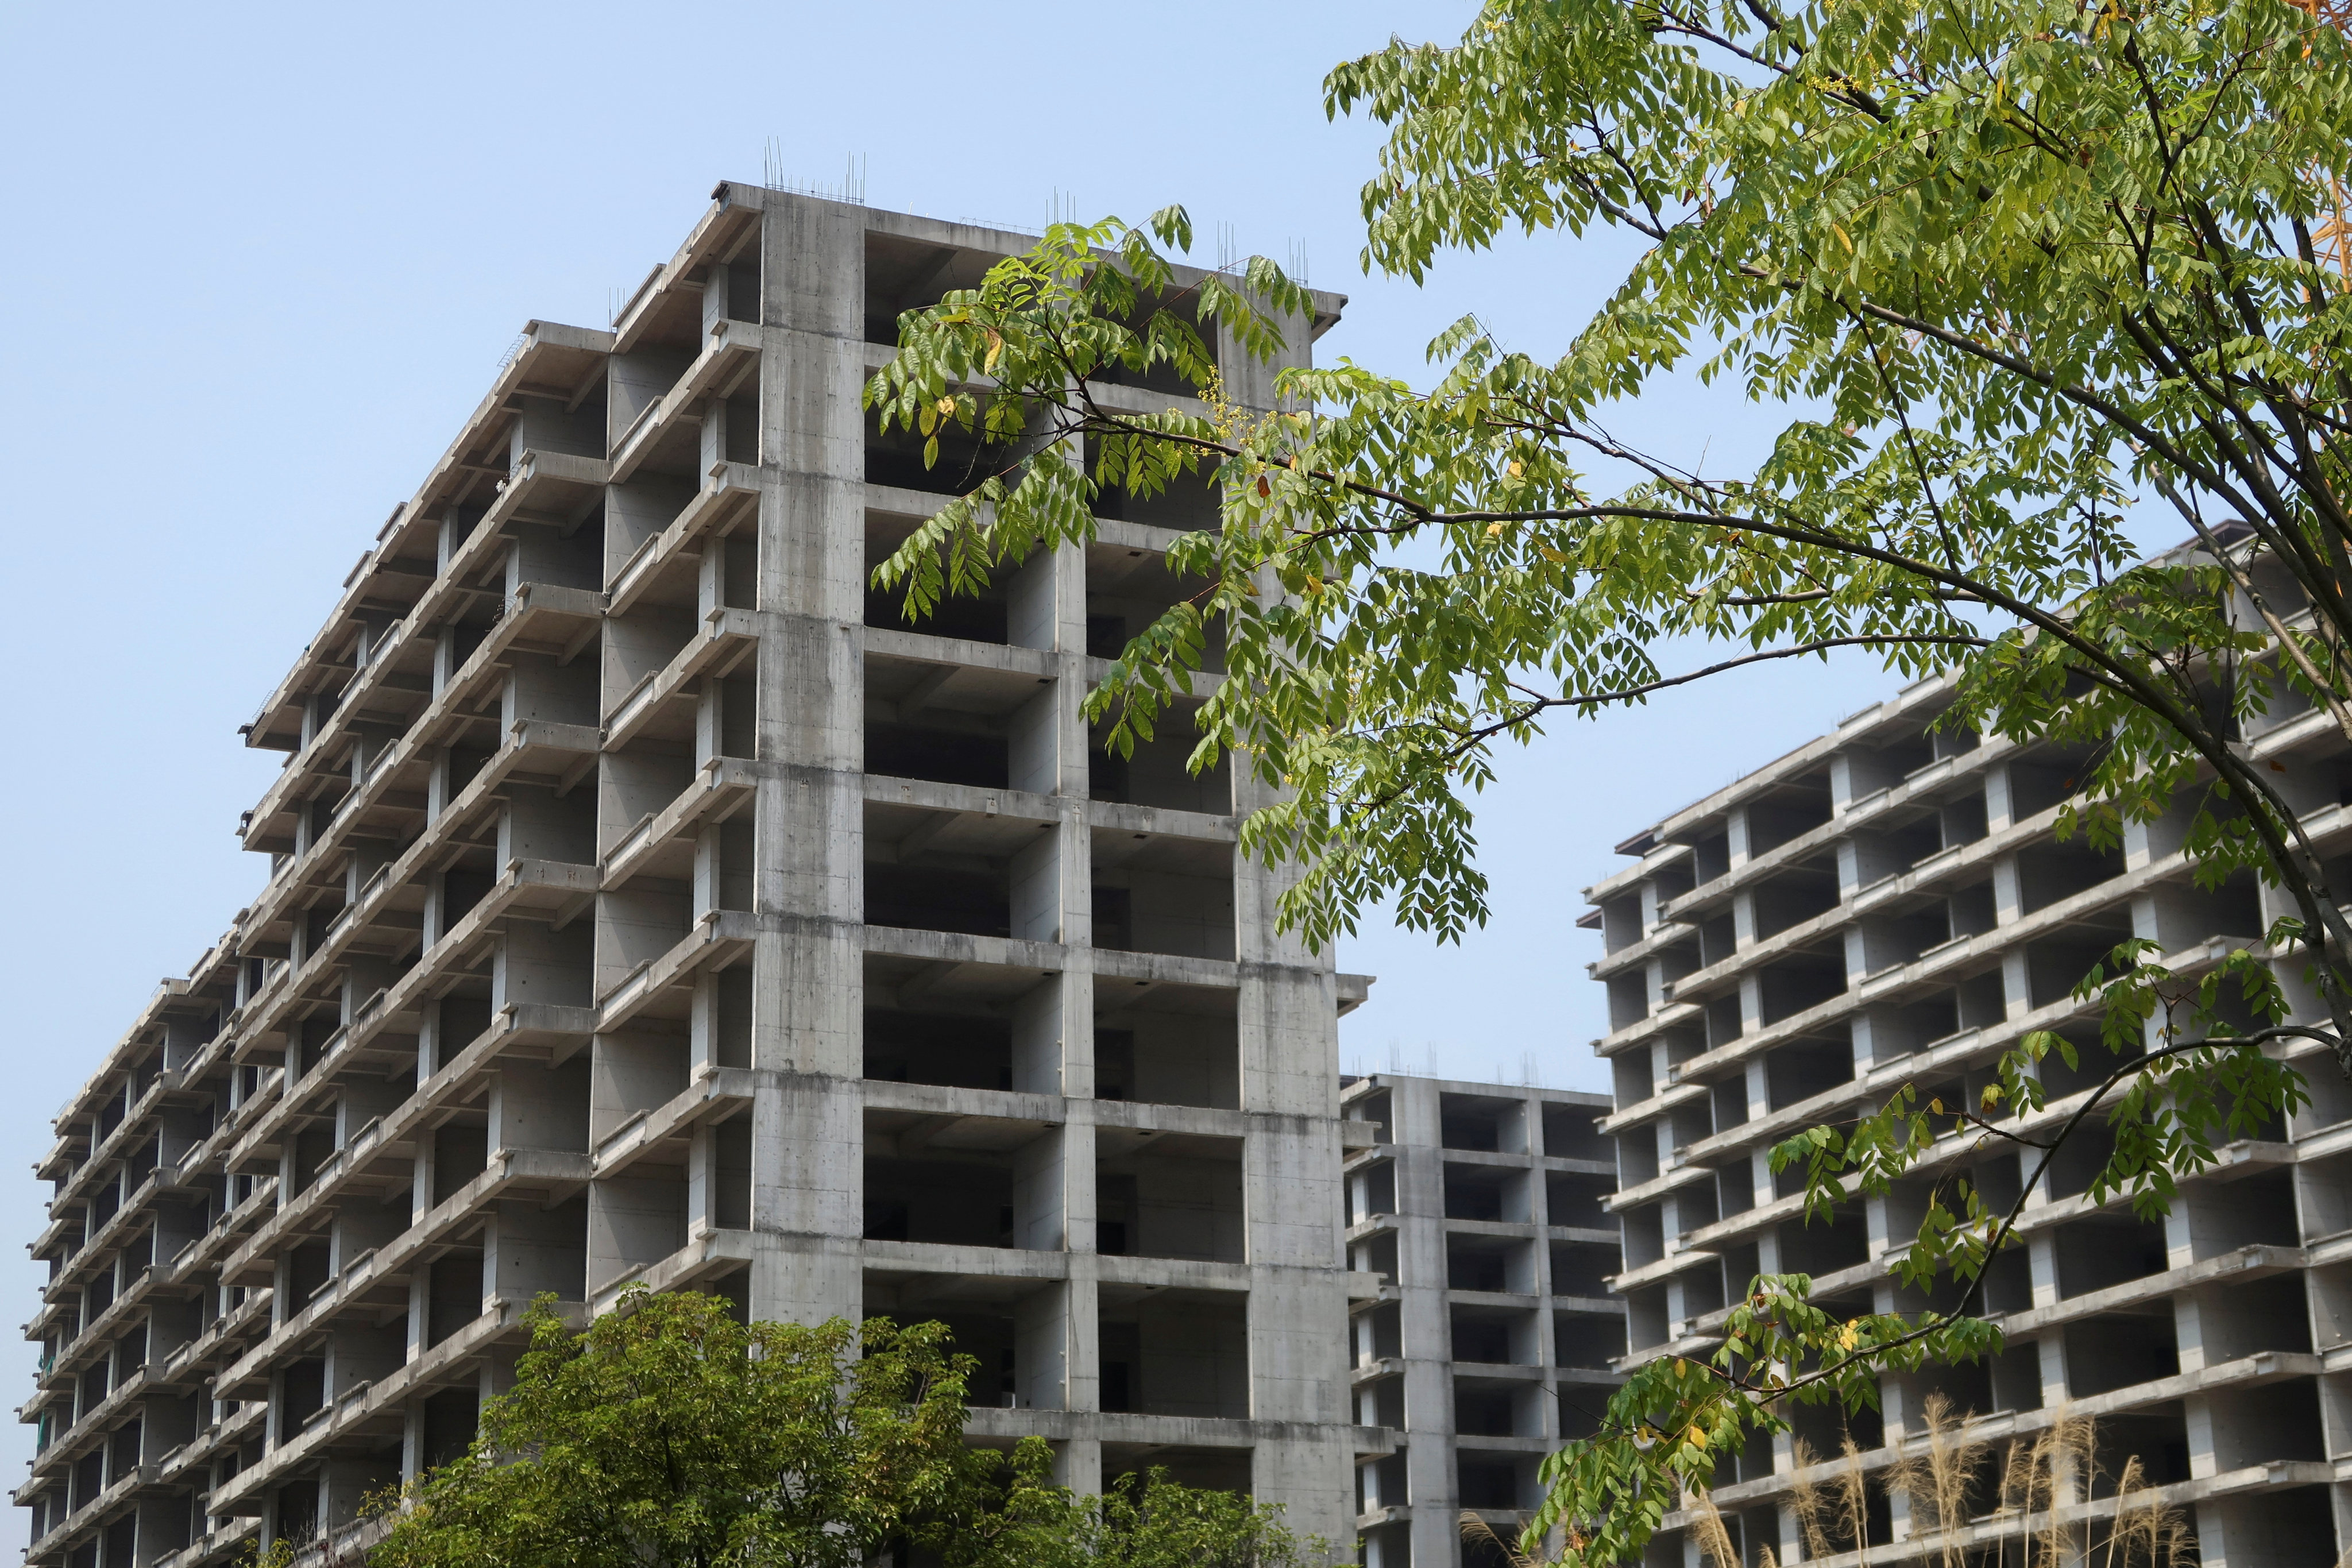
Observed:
{"x":809,"y":976}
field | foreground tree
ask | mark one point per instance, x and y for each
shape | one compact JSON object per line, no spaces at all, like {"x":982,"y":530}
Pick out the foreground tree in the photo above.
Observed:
{"x":668,"y":1435}
{"x":1142,"y":1521}
{"x":2010,"y":267}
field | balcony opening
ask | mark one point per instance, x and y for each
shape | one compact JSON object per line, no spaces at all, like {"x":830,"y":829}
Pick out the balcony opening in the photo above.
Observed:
{"x":1489,"y":1263}
{"x":1583,"y":1409}
{"x":1012,"y":1328}
{"x":958,"y":1050}
{"x":1821,"y":1246}
{"x":916,"y":880}
{"x":1186,"y":502}
{"x":451,"y":1418}
{"x":1586,"y":1341}
{"x":1569,"y":1133}
{"x":980,"y":618}
{"x":1803,"y":1068}
{"x":1175,"y":1352}
{"x":1486,"y":1192}
{"x":461,"y":1153}
{"x":1482,"y":1124}
{"x":1794,"y":896}
{"x":1155,"y":772}
{"x":961,"y":1181}
{"x":1628,"y":1000}
{"x":462,"y":1018}
{"x":1129,"y":589}
{"x":894,"y":459}
{"x":1380,"y":1483}
{"x":1202,"y":1469}
{"x":2055,"y":870}
{"x":308,"y":1266}
{"x":1578,"y":1201}
{"x":1710,"y":857}
{"x":904,"y":275}
{"x":1166,"y":1045}
{"x":1583,"y":1268}
{"x":1631,"y":1081}
{"x":1645,"y":1318}
{"x":1790,"y":985}
{"x":955,"y":749}
{"x":302,"y":1394}
{"x":2120,"y":1349}
{"x":1494,"y":1336}
{"x":1169,"y":1194}
{"x":1967,"y":1386}
{"x":959,"y":724}
{"x":1791,"y":811}
{"x":1962,"y":821}
{"x":1371,"y":1191}
{"x":1897,"y":844}
{"x":2098,"y":1251}
{"x":1498,"y":1407}
{"x":1162,"y":378}
{"x":1160,"y":893}
{"x":454,"y":1293}
{"x":1724,"y":1020}
{"x":1494,"y":1483}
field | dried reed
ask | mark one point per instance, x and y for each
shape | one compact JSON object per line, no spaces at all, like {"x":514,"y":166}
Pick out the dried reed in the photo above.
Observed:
{"x":2146,"y":1529}
{"x":1939,"y":1486}
{"x":1805,"y":1499}
{"x":1477,"y":1530}
{"x":1854,"y":1500}
{"x":1712,"y":1535}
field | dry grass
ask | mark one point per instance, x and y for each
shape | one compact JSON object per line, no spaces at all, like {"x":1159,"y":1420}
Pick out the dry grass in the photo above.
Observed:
{"x":1477,"y":1530}
{"x":1805,"y":1499}
{"x":2066,"y":1464}
{"x":2147,"y":1532}
{"x":2039,"y":1481}
{"x":1712,"y":1535}
{"x":1854,"y":1499}
{"x":1937,"y":1483}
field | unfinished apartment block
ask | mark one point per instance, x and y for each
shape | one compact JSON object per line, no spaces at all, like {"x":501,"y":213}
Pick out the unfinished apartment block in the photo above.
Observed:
{"x":1889,"y":904}
{"x":1494,"y":1338}
{"x":649,"y":904}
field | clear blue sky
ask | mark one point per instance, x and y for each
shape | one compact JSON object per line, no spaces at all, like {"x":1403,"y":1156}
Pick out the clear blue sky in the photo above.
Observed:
{"x":265,"y":257}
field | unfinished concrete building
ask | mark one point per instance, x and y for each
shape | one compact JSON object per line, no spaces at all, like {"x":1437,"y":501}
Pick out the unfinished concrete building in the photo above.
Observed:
{"x":1890,"y":903}
{"x":1494,"y":1336}
{"x":649,"y":904}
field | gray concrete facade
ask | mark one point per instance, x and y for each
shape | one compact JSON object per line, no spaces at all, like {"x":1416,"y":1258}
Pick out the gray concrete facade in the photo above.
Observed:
{"x":1494,"y":1337}
{"x":1888,"y":903}
{"x":649,"y":904}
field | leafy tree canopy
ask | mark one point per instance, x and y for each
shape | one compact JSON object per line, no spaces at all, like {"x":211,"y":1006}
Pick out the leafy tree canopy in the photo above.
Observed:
{"x":2009,"y":269}
{"x":1145,"y":1521}
{"x":668,"y":1435}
